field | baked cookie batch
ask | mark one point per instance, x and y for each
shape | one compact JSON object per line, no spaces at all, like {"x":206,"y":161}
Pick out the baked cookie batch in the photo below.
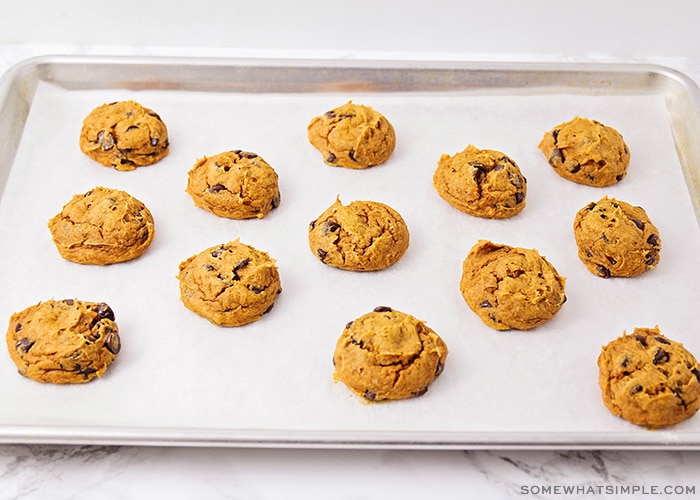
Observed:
{"x":645,"y":377}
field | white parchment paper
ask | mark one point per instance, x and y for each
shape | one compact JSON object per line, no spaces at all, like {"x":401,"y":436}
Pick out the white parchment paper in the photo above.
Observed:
{"x":178,"y":371}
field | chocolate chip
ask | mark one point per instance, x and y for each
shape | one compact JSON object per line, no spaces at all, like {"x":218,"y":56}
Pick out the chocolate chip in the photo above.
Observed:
{"x":247,"y":154}
{"x":18,"y":327}
{"x":241,"y":264}
{"x":331,"y":158}
{"x":638,"y":223}
{"x":104,"y":311}
{"x":330,"y":226}
{"x":269,"y":308}
{"x":348,"y":324}
{"x":370,"y":395}
{"x":154,"y":115}
{"x":321,"y":253}
{"x":154,"y":141}
{"x":217,"y":253}
{"x":439,"y":368}
{"x":611,"y":260}
{"x":637,"y":388}
{"x":603,"y":271}
{"x":661,"y":356}
{"x":486,"y":303}
{"x":113,"y":343}
{"x":105,"y":140}
{"x":312,"y":224}
{"x":358,"y":343}
{"x":329,"y":114}
{"x":662,"y":340}
{"x":275,"y":202}
{"x":653,"y":240}
{"x":625,"y":361}
{"x":555,"y":134}
{"x":380,"y":309}
{"x":478,"y":173}
{"x":641,"y":339}
{"x":351,"y":154}
{"x":216,"y":188}
{"x":650,"y":258}
{"x":420,"y":392}
{"x":519,"y":197}
{"x":557,"y":156}
{"x":696,"y":372}
{"x":69,"y":302}
{"x":575,"y":168}
{"x":256,"y":289}
{"x":24,"y":345}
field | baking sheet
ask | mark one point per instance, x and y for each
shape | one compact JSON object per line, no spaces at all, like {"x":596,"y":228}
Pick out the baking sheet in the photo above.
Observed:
{"x":181,"y":380}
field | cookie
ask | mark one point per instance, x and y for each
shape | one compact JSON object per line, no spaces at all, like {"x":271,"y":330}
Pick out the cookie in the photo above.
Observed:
{"x":103,"y":226}
{"x":352,"y":136}
{"x":649,"y":379}
{"x":616,"y":239}
{"x":481,"y":182}
{"x":63,"y":341}
{"x":388,"y":355}
{"x":361,"y":236}
{"x":587,"y":152}
{"x":511,"y":288}
{"x":232,"y":284}
{"x":234,"y":184}
{"x":124,"y":135}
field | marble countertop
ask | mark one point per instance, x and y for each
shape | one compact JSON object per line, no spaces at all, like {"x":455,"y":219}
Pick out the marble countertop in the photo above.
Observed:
{"x":34,"y":471}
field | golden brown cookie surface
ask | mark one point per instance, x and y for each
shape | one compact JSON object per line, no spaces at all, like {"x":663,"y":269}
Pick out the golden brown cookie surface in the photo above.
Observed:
{"x":587,"y":152}
{"x":649,"y":379}
{"x":234,"y":184}
{"x":388,"y":355}
{"x":63,"y":342}
{"x":352,"y":136}
{"x":509,"y":287}
{"x":232,"y":284}
{"x":124,"y":135}
{"x":615,"y":238}
{"x":102,"y":226}
{"x":361,"y":236}
{"x":481,"y":182}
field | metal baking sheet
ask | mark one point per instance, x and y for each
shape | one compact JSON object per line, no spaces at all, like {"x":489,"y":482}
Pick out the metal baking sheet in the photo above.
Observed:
{"x":182,"y":381}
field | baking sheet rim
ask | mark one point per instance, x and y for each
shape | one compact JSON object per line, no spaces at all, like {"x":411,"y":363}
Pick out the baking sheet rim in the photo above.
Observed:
{"x":26,"y":76}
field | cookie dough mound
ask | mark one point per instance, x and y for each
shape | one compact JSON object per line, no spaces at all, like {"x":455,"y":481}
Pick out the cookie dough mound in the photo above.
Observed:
{"x":361,"y":236}
{"x":124,"y":135}
{"x":234,"y":184}
{"x":63,"y":342}
{"x":481,"y":182}
{"x":587,"y":152}
{"x":648,"y":379}
{"x":103,"y":226}
{"x":511,"y":288}
{"x":616,"y":239}
{"x":388,"y":355}
{"x":352,"y":136}
{"x":232,"y":284}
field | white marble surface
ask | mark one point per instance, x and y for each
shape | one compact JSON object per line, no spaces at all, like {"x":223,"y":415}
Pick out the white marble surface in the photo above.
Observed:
{"x":637,"y":32}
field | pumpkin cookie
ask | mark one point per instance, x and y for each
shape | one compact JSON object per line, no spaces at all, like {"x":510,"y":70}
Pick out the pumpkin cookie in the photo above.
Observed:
{"x":352,"y":136}
{"x":230,"y":285}
{"x":587,"y":152}
{"x":648,"y":379}
{"x":102,"y":226}
{"x":63,"y":342}
{"x":234,"y":184}
{"x":615,"y":238}
{"x":387,"y":354}
{"x":481,"y":182}
{"x":124,"y":135}
{"x":361,"y":236}
{"x":511,"y":288}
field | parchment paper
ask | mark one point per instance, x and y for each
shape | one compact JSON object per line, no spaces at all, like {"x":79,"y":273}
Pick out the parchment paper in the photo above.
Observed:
{"x":176,"y":370}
